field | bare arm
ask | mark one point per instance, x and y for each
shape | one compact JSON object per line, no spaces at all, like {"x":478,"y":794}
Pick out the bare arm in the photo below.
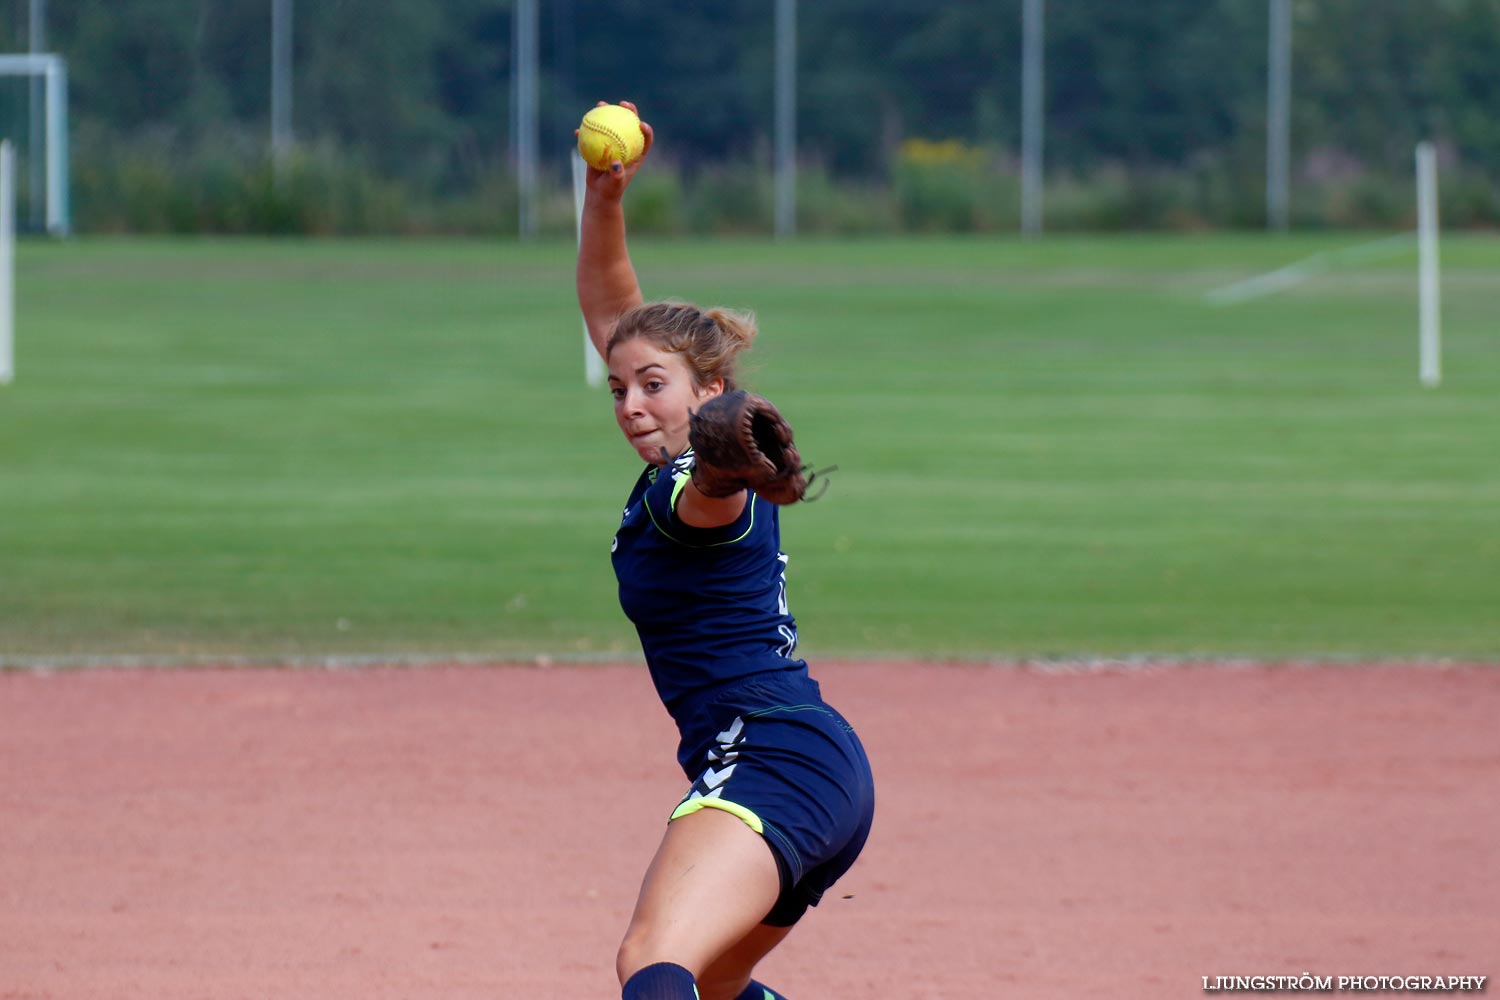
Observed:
{"x":606,"y":280}
{"x":699,"y":511}
{"x":607,"y":287}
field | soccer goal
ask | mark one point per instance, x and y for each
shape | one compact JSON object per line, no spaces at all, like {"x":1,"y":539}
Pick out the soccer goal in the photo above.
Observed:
{"x":54,"y":74}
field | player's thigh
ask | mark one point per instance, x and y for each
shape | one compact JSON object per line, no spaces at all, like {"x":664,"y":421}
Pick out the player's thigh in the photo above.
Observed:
{"x":710,"y":883}
{"x":727,"y":976}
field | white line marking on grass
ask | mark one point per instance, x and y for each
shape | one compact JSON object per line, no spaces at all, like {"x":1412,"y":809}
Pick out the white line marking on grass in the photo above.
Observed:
{"x":1295,"y":273}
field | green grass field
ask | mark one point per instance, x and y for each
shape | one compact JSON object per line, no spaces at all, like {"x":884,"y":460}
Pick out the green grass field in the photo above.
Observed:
{"x":274,"y":450}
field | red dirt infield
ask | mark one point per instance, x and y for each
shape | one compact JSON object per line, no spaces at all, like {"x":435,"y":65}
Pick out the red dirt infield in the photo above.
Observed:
{"x":467,"y":832}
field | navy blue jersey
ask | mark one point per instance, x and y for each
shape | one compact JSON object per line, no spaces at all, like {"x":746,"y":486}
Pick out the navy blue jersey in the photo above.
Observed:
{"x":709,"y":604}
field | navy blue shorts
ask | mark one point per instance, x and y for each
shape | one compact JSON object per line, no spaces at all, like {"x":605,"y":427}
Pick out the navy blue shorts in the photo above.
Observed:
{"x":797,"y":775}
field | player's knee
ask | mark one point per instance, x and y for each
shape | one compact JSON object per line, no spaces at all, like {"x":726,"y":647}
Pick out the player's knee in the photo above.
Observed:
{"x":639,"y":949}
{"x":626,"y":964}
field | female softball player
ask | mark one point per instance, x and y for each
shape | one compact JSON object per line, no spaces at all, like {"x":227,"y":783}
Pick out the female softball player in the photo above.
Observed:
{"x":781,"y":798}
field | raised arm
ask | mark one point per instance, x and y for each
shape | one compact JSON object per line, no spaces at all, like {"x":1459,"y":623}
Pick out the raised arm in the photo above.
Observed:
{"x":607,"y":284}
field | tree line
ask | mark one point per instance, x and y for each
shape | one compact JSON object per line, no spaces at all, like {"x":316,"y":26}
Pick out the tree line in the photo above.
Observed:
{"x":408,"y":103}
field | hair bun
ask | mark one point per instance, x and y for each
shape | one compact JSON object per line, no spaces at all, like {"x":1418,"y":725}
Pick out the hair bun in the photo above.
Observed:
{"x":738,"y":326}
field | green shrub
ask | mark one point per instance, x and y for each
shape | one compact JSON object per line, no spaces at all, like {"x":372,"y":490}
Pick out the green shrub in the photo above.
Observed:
{"x":656,"y":204}
{"x":223,"y":182}
{"x":843,"y":207}
{"x":939,"y":186}
{"x":1469,"y":199}
{"x":727,"y":200}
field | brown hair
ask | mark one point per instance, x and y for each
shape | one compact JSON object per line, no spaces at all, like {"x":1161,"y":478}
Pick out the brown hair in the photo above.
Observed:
{"x":708,"y":340}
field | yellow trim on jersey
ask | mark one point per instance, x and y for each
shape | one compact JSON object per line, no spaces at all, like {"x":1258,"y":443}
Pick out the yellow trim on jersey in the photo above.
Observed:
{"x":693,"y":805}
{"x":683,"y":478}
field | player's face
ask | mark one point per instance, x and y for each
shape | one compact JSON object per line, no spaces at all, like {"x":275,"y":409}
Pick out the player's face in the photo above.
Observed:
{"x":654,"y":390}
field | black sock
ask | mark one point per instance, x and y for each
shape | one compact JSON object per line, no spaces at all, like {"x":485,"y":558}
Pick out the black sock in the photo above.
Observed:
{"x":755,"y":991}
{"x":662,"y":981}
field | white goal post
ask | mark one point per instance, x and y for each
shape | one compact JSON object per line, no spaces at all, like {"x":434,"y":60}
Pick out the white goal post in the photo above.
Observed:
{"x":1428,"y":269}
{"x":54,"y":73}
{"x":7,"y":262}
{"x":594,"y":372}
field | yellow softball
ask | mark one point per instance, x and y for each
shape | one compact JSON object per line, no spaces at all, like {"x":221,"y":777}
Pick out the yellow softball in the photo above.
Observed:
{"x":608,"y":133}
